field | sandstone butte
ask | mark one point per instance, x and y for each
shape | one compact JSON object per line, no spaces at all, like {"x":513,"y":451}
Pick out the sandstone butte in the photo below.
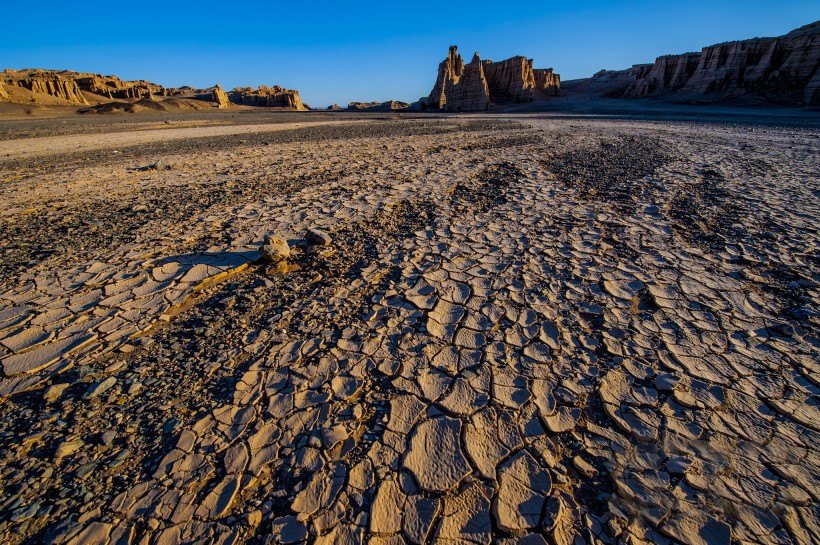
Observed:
{"x":785,"y":70}
{"x":474,"y":86}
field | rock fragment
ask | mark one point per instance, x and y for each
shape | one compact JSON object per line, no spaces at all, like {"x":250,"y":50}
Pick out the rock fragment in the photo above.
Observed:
{"x":317,"y":237}
{"x":274,"y":249}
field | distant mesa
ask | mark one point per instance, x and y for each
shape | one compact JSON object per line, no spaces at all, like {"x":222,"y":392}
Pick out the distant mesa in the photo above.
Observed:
{"x":334,"y":107}
{"x":782,"y":70}
{"x":388,"y":106}
{"x":275,"y":97}
{"x":75,"y":87}
{"x":474,"y":87}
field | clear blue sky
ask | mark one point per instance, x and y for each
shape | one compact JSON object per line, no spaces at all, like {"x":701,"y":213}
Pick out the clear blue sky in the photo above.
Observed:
{"x":370,"y":50}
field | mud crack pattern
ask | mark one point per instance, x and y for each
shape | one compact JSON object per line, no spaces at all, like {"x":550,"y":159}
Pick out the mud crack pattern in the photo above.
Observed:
{"x":534,"y":331}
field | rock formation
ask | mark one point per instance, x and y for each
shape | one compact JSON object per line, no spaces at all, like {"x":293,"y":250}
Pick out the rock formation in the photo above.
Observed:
{"x":472,"y":87}
{"x":3,"y":94}
{"x":45,"y":82}
{"x":69,"y":85}
{"x":220,"y":97}
{"x":388,"y":106}
{"x":274,"y":97}
{"x":114,"y":88}
{"x":783,"y":69}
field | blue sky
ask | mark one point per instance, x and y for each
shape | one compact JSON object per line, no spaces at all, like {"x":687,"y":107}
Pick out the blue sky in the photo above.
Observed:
{"x":368,"y":50}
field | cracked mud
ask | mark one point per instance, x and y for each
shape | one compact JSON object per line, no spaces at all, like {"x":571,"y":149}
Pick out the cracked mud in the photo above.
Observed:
{"x":522,"y":331}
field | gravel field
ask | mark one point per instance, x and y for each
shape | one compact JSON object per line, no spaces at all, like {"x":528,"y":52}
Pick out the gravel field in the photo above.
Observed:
{"x":523,"y":329}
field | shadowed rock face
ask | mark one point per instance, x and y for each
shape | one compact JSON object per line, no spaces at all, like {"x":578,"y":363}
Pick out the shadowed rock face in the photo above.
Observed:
{"x":472,"y":87}
{"x":783,"y":69}
{"x":47,"y":84}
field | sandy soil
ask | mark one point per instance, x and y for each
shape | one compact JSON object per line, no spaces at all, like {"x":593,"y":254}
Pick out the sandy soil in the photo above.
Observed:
{"x":524,"y":329}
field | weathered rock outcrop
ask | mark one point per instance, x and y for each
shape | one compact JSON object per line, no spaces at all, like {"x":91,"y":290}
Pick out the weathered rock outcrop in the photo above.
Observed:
{"x":546,"y":81}
{"x":69,"y":85}
{"x":3,"y":94}
{"x":515,"y":80}
{"x":388,"y":106}
{"x":220,"y":97}
{"x":474,"y":86}
{"x":274,"y":97}
{"x":114,"y":88}
{"x":48,"y":83}
{"x":782,"y":69}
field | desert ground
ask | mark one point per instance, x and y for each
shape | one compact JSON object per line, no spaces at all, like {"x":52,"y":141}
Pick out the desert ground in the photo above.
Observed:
{"x":524,"y":328}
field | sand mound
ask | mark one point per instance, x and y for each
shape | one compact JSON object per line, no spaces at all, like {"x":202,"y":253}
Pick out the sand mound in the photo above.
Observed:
{"x":147,"y":105}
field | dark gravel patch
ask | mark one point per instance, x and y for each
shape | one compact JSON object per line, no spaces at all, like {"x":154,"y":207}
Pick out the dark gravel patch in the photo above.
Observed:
{"x":486,"y":189}
{"x":613,"y":172}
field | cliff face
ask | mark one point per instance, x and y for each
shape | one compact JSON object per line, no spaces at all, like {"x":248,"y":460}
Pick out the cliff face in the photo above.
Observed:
{"x":47,"y":84}
{"x":546,"y":81}
{"x":467,"y":91}
{"x":115,"y":88}
{"x":783,"y":69}
{"x":472,"y":87}
{"x":274,"y":97}
{"x":69,"y":85}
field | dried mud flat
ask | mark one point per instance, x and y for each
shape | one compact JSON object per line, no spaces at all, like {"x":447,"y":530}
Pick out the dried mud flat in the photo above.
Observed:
{"x":524,"y":330}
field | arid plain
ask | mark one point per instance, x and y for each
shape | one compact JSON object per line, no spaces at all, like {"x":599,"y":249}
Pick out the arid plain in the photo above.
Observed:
{"x":518,"y":328}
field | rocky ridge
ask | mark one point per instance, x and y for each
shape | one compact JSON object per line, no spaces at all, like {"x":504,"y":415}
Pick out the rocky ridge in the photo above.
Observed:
{"x":473,"y":87}
{"x":85,"y":89}
{"x":387,"y":106}
{"x":780,"y":70}
{"x":69,"y":85}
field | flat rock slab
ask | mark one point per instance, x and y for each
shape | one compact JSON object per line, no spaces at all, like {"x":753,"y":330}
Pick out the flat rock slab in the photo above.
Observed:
{"x":435,"y":457}
{"x":523,"y":487}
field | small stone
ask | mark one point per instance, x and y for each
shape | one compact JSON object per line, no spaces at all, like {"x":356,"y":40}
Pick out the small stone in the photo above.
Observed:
{"x":171,"y":425}
{"x":107,"y":438}
{"x":274,"y":250}
{"x":161,"y":165}
{"x":25,"y":513}
{"x":98,"y":388}
{"x":134,"y":388}
{"x":67,"y":448}
{"x":54,"y":392}
{"x":254,"y":518}
{"x":317,"y":237}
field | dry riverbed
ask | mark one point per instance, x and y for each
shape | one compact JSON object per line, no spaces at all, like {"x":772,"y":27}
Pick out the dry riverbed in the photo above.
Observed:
{"x":525,"y":329}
